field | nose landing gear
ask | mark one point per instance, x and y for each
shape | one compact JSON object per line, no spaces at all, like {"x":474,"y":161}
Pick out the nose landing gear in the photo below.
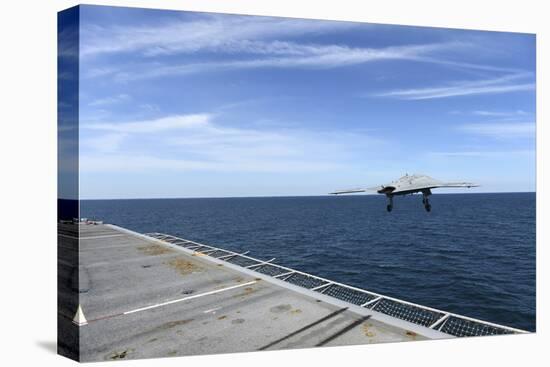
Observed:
{"x":389,"y":207}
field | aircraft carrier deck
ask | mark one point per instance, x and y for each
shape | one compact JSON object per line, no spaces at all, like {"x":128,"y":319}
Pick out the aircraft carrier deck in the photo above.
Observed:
{"x":157,"y":295}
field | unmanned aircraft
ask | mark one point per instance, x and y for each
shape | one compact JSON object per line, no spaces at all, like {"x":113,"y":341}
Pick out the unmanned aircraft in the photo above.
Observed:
{"x":409,"y":184}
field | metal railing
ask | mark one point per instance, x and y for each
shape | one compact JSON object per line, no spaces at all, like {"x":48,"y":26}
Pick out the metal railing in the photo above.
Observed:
{"x":445,"y":322}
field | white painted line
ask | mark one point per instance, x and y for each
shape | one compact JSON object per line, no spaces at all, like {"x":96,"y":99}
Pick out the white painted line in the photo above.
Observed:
{"x":66,"y":263}
{"x":109,"y":247}
{"x":91,"y":237}
{"x":67,"y":236}
{"x":103,"y":236}
{"x":190,"y":297}
{"x":212,"y":310}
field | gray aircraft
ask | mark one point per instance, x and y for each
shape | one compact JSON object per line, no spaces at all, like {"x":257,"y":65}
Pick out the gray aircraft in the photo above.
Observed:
{"x":408,"y":185}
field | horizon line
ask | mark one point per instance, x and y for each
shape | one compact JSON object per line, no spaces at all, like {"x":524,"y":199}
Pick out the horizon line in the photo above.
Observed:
{"x":290,"y":196}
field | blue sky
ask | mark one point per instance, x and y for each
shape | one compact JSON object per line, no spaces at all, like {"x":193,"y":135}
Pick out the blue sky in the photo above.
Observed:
{"x":182,"y":104}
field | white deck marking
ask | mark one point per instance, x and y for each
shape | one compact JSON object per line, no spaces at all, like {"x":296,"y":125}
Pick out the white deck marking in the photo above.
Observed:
{"x":190,"y":297}
{"x":91,"y":237}
{"x":102,"y":236}
{"x":67,"y":236}
{"x":212,"y":310}
{"x":109,"y":247}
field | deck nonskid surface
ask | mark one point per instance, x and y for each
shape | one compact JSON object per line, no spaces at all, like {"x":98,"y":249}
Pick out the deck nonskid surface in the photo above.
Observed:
{"x":143,"y":299}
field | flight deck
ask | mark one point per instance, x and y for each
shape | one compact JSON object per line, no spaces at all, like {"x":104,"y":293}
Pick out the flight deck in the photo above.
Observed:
{"x":156,"y":295}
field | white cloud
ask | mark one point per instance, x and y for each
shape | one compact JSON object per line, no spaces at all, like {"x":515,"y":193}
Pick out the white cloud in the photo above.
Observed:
{"x":141,"y":163}
{"x":468,"y":65}
{"x":499,"y":113}
{"x":210,"y":33}
{"x":92,"y":72}
{"x":501,"y":130}
{"x":298,"y":56}
{"x":238,"y":38}
{"x":106,"y":143}
{"x":151,"y":126}
{"x":483,"y":154}
{"x":508,"y":83}
{"x":110,"y":100}
{"x":198,"y":142}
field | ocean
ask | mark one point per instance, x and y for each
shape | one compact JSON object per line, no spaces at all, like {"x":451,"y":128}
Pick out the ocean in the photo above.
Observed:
{"x":473,"y":254}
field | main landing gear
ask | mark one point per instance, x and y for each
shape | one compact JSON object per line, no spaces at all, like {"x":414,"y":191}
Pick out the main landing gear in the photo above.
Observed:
{"x":426,"y":200}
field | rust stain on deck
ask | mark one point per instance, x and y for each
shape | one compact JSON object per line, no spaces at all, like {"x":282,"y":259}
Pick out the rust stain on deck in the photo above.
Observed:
{"x":154,"y":250}
{"x":183,"y":266}
{"x":367,"y":331}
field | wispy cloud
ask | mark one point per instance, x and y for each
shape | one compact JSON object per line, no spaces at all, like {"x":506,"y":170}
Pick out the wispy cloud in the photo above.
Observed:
{"x":105,"y":143}
{"x":151,"y":163}
{"x":93,"y":72}
{"x":110,"y":100}
{"x":213,"y":33}
{"x":297,"y":56}
{"x":199,"y":142}
{"x":245,"y":42}
{"x":499,"y":113}
{"x":469,"y":65}
{"x":483,"y":154}
{"x":151,"y":126}
{"x":501,"y":130}
{"x":508,"y":83}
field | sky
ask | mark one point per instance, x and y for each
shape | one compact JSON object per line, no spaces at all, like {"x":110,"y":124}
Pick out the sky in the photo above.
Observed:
{"x":185,"y":104}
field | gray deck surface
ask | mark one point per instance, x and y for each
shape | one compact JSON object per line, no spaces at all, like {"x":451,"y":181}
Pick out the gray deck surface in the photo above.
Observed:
{"x":121,"y":272}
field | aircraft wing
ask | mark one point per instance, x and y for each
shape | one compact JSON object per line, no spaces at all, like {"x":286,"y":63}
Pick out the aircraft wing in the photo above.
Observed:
{"x":419,"y":186}
{"x":407,"y":185}
{"x":353,"y":191}
{"x":458,"y":184}
{"x":347,"y":191}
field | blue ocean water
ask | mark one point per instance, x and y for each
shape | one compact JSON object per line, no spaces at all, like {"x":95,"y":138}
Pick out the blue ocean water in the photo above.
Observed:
{"x":474,"y":254}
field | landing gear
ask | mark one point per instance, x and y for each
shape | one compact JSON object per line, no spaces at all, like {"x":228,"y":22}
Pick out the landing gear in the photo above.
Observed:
{"x":426,"y":200}
{"x":389,"y":207}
